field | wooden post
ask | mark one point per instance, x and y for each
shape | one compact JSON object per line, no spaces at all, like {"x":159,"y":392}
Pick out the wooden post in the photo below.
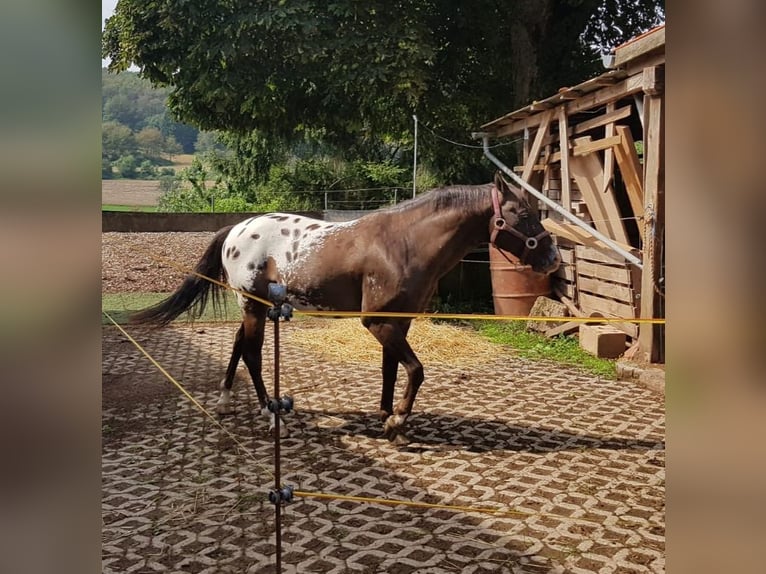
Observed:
{"x":608,"y":153}
{"x":566,"y":194}
{"x":534,"y":152}
{"x":651,"y":337}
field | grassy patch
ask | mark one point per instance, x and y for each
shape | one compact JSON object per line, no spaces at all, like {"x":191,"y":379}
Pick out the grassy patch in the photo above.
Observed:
{"x":121,"y":305}
{"x":564,"y":350}
{"x":113,"y":207}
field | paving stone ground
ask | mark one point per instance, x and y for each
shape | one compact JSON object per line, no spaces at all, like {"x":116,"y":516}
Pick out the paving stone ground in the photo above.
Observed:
{"x":580,"y":461}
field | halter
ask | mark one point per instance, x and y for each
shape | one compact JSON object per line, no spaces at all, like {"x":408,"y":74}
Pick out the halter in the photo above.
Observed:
{"x":500,"y":224}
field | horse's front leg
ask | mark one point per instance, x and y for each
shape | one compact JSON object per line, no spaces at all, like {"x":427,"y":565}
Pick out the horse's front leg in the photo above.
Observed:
{"x":390,"y":368}
{"x":393,"y":337}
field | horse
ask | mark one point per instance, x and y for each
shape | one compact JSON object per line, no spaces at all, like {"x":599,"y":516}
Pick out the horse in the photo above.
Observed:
{"x":389,"y":260}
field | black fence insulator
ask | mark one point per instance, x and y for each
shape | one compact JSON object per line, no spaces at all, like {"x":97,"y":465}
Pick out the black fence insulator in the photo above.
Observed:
{"x":282,"y":495}
{"x":283,"y":405}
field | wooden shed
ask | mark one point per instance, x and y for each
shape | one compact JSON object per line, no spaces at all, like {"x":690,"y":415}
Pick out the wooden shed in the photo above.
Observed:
{"x":597,"y":150}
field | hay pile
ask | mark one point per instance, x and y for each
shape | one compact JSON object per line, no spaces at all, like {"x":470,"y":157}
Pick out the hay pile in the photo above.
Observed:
{"x":346,"y":340}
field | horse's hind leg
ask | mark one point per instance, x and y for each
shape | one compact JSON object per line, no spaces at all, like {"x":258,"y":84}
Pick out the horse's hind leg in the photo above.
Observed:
{"x":223,"y":406}
{"x":252,"y":353}
{"x":393,"y":337}
{"x":390,"y":368}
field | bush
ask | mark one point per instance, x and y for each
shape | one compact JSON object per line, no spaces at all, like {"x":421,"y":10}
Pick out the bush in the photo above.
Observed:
{"x":106,"y":169}
{"x":147,"y":170}
{"x":127,"y":165}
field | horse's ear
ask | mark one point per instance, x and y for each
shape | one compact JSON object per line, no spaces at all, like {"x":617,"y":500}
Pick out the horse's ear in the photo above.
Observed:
{"x":506,"y":188}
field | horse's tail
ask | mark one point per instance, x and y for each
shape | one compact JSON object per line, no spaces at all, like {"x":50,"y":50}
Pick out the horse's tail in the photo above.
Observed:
{"x":195,"y":292}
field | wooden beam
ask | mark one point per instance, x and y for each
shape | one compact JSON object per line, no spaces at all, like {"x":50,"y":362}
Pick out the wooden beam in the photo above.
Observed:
{"x":608,"y":153}
{"x":630,"y":169}
{"x":566,"y":194}
{"x":563,"y":329}
{"x":654,"y":80}
{"x":578,"y":235}
{"x":589,"y":175}
{"x":650,"y":339}
{"x":626,"y":87}
{"x":534,"y":151}
{"x":603,"y":119}
{"x":593,"y":123}
{"x":585,"y":148}
{"x":653,"y":40}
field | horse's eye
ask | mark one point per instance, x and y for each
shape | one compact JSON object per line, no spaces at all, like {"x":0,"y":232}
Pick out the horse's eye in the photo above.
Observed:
{"x":513,"y":210}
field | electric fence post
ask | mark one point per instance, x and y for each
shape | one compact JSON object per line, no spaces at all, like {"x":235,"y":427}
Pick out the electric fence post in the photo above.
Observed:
{"x":279,"y":495}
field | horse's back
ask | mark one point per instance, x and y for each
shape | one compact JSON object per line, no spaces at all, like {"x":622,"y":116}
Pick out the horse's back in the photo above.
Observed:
{"x":286,"y":245}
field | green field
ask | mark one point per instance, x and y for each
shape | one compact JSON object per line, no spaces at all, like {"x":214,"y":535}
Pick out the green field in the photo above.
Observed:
{"x":112,"y":207}
{"x":120,"y":305}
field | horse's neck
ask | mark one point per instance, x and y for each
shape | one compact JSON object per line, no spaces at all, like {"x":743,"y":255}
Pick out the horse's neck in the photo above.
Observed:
{"x":451,"y":232}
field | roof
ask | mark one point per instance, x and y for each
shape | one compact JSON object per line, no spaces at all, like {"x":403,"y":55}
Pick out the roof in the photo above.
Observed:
{"x":629,"y":60}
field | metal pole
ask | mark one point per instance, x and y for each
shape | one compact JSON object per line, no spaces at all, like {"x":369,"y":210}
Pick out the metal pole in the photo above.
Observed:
{"x":415,"y":158}
{"x":277,"y":463}
{"x":556,"y":207}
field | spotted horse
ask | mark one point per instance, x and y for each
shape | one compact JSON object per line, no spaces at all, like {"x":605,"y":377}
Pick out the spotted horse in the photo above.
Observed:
{"x":389,"y":260}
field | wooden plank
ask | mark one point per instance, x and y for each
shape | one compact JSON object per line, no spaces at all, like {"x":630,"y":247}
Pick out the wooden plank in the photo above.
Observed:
{"x":627,"y":87}
{"x":589,"y":174}
{"x":567,"y":254}
{"x":568,"y":327}
{"x":569,"y":304}
{"x":630,"y":169}
{"x":650,"y":338}
{"x":593,"y":123}
{"x":605,"y":289}
{"x":598,"y":254}
{"x":534,"y":151}
{"x":609,"y":153}
{"x":568,"y":289}
{"x":617,"y":274}
{"x":602,"y":120}
{"x":581,"y":237}
{"x":565,"y":272}
{"x":654,"y":80}
{"x":536,"y":167}
{"x":592,"y":303}
{"x":596,"y":145}
{"x":566,"y":195}
{"x":642,"y":45}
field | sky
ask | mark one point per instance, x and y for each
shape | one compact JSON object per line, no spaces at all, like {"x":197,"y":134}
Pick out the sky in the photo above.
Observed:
{"x":107,"y":9}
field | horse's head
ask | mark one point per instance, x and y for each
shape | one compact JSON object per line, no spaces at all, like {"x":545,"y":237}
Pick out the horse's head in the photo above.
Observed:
{"x":515,"y":227}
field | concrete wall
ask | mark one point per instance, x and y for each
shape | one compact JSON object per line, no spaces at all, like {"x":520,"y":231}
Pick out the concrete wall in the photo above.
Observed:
{"x":134,"y":221}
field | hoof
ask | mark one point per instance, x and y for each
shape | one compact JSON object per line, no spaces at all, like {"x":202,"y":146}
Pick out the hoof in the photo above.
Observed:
{"x":283,"y":430}
{"x":393,"y":429}
{"x":400,"y":440}
{"x":224,"y":409}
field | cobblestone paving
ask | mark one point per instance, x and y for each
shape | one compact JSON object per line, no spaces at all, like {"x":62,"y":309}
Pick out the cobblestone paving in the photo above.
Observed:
{"x":580,"y":460}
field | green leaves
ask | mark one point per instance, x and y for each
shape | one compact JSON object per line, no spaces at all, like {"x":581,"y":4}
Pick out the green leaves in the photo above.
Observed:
{"x":358,"y":70}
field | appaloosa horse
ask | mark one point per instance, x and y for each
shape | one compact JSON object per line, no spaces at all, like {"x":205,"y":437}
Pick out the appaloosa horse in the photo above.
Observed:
{"x":388,"y":261}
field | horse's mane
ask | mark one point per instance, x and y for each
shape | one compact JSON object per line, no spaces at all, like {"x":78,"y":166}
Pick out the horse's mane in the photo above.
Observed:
{"x":466,"y":197}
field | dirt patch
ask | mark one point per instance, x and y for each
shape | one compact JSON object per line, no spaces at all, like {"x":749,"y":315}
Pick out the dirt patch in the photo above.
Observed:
{"x":148,"y":262}
{"x":133,"y":192}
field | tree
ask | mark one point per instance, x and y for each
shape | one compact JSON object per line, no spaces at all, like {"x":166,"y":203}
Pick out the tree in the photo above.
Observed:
{"x":352,"y":73}
{"x":116,"y":140}
{"x":150,"y":141}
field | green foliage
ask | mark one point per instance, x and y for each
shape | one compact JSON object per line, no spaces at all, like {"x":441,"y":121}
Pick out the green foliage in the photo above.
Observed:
{"x":342,"y":78}
{"x":127,"y":165}
{"x":106,"y":169}
{"x":116,"y":140}
{"x":563,"y":349}
{"x":134,"y":102}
